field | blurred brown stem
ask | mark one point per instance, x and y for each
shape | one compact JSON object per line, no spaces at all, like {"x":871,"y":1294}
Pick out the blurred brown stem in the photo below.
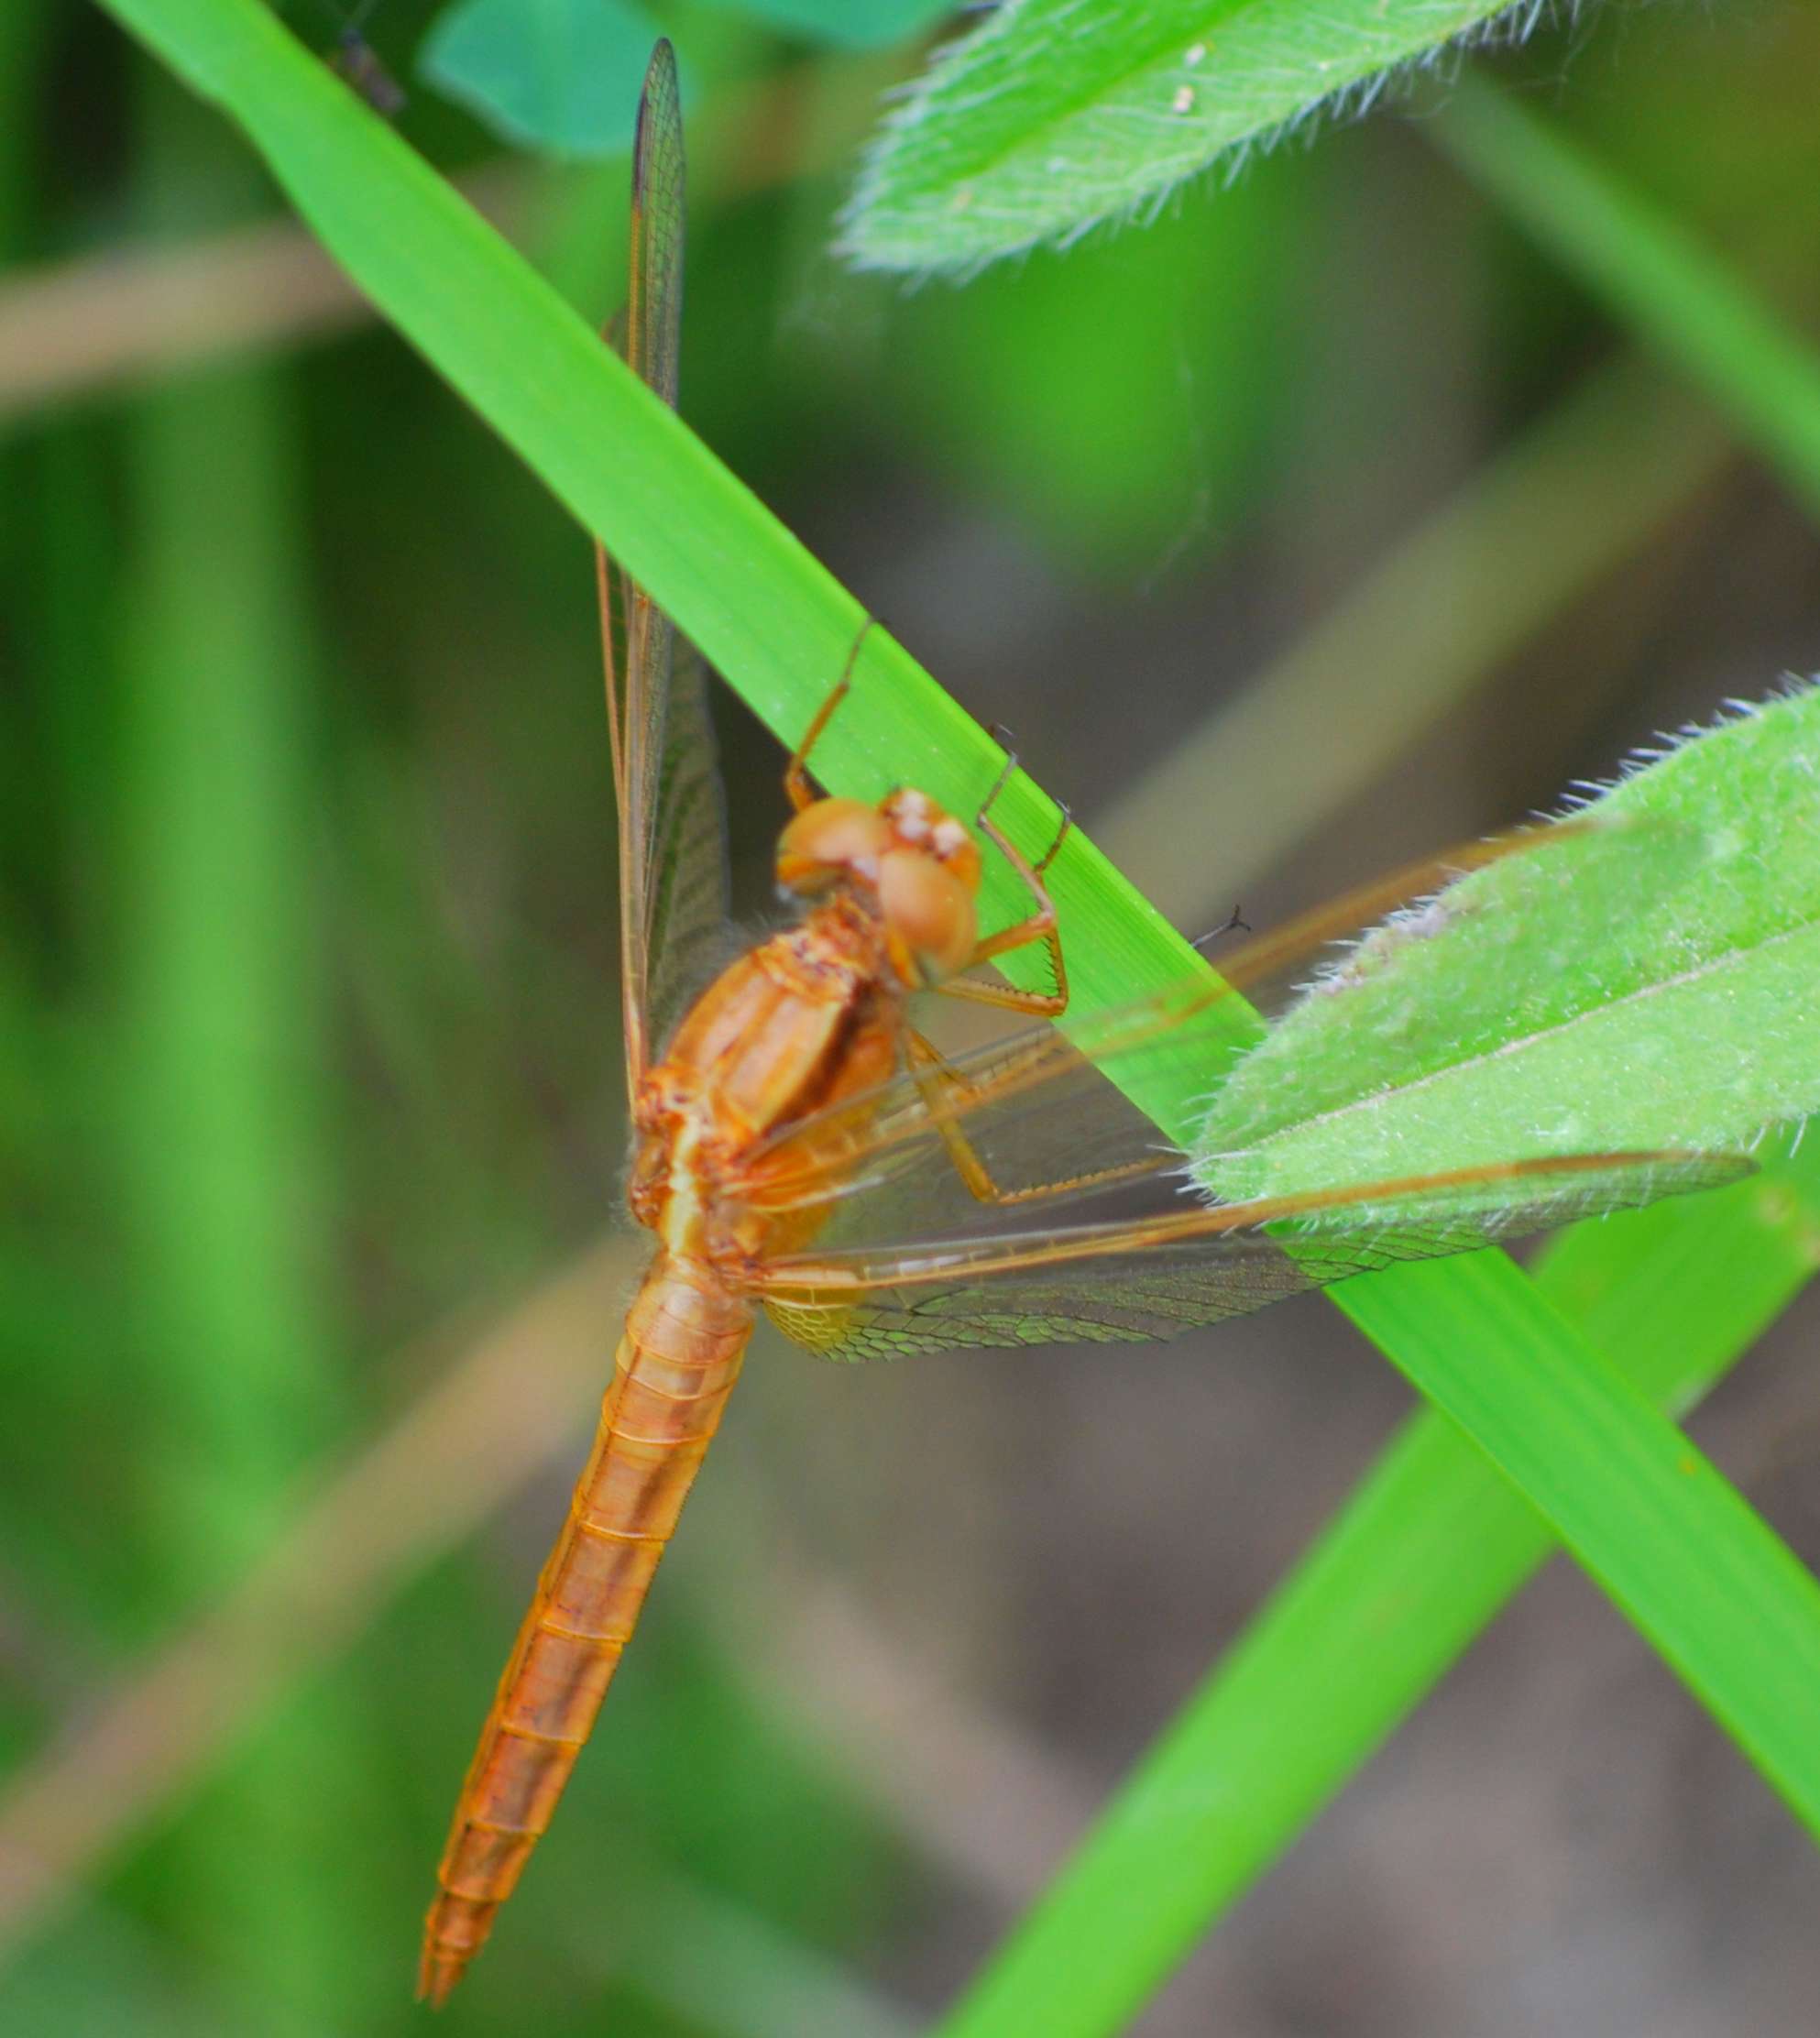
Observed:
{"x":105,"y":321}
{"x":442,"y":1468}
{"x":108,"y":322}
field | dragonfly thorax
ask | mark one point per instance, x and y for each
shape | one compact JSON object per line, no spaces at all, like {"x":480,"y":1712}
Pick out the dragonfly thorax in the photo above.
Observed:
{"x":918,"y":867}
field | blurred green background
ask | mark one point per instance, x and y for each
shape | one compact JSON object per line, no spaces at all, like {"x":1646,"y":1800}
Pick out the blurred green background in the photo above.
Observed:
{"x":1321,"y":522}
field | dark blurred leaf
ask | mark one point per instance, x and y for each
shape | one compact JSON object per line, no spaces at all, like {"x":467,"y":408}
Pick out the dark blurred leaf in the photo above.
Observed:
{"x":848,"y":23}
{"x":562,"y":75}
{"x":1055,"y":117}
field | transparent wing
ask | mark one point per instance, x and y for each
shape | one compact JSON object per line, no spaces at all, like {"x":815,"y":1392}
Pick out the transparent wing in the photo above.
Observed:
{"x":1147,"y":1279}
{"x":1048,"y":1116}
{"x":655,"y":294}
{"x":653,"y":327}
{"x":984,"y":1136}
{"x":687,"y":905}
{"x":673,"y":853}
{"x":1044,"y":1206}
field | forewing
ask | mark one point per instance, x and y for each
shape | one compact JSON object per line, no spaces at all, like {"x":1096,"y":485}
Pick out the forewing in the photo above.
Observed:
{"x":1151,"y":1278}
{"x":963,"y":1202}
{"x":653,"y":328}
{"x":1056,"y":1114}
{"x":687,"y":905}
{"x":1048,"y":1120}
{"x":672,"y":854}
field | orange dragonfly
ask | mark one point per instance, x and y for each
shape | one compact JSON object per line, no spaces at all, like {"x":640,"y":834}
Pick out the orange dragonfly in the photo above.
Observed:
{"x":802,"y":1149}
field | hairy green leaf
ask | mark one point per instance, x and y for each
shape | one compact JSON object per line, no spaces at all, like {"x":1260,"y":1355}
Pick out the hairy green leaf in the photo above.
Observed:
{"x":1056,"y":115}
{"x":1649,"y":980}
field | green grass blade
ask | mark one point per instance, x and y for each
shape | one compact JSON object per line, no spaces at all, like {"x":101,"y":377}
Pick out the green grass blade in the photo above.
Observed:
{"x":223,"y":1165}
{"x":1710,"y":1584}
{"x":762,"y":609}
{"x":1676,"y":296}
{"x":1055,"y":117}
{"x":24,"y":31}
{"x":1430,"y":1548}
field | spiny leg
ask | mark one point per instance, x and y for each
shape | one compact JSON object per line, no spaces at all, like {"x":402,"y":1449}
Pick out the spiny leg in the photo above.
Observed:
{"x":796,"y":774}
{"x":948,"y":1093}
{"x":1039,"y":926}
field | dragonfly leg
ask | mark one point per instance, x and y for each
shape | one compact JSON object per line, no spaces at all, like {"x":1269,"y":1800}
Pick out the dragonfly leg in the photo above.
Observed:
{"x":938,"y":1082}
{"x":1039,"y":926}
{"x":944,"y":1089}
{"x":796,"y":774}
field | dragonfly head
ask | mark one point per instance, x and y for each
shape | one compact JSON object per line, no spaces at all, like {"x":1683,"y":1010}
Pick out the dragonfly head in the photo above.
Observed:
{"x":919,"y":866}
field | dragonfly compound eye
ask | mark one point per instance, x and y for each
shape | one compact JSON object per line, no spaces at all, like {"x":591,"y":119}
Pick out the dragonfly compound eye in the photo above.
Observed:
{"x":828,"y":840}
{"x":928,"y":912}
{"x":920,"y":823}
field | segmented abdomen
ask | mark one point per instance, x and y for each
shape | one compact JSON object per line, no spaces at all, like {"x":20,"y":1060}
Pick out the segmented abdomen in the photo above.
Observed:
{"x":674,"y":1368}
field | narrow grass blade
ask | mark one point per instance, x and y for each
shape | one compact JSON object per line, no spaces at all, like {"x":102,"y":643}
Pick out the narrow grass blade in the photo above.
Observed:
{"x":221,"y":1137}
{"x":1676,"y":296}
{"x":764,"y":612}
{"x":1430,"y":1548}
